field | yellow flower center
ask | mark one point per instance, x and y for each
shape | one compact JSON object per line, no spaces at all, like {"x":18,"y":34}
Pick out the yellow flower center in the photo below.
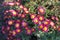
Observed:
{"x":45,"y":28}
{"x":10,"y":22}
{"x":41,"y":10}
{"x":40,"y":18}
{"x":32,"y":16}
{"x":13,"y":32}
{"x":14,"y":13}
{"x":28,"y":31}
{"x":35,"y":20}
{"x":17,"y":25}
{"x":41,"y":26}
{"x":46,"y":22}
{"x":18,"y":30}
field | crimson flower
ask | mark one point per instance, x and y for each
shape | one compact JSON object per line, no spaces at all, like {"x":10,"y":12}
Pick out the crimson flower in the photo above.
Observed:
{"x":41,"y":10}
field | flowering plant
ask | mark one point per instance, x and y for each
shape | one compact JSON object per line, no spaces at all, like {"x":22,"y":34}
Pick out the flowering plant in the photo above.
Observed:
{"x":30,"y":20}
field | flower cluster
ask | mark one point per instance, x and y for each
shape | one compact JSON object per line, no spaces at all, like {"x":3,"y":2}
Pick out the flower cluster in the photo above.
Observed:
{"x":16,"y":21}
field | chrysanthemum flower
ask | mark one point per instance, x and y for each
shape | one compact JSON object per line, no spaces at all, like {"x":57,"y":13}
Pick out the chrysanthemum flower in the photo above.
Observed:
{"x":54,"y":27}
{"x":32,"y":29}
{"x":24,"y":23}
{"x":14,"y":33}
{"x":26,"y":28}
{"x":17,"y":25}
{"x":18,"y":30}
{"x":14,"y":13}
{"x":28,"y":31}
{"x":8,"y":28}
{"x":41,"y":18}
{"x":35,"y":20}
{"x":41,"y":10}
{"x":25,"y":9}
{"x":57,"y":18}
{"x":32,"y":16}
{"x":17,"y":3}
{"x":45,"y":29}
{"x":26,"y":12}
{"x":23,"y":15}
{"x":10,"y":22}
{"x":17,"y":21}
{"x":53,"y":17}
{"x":41,"y":26}
{"x":19,"y":15}
{"x":21,"y":6}
{"x":52,"y":23}
{"x":46,"y":22}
